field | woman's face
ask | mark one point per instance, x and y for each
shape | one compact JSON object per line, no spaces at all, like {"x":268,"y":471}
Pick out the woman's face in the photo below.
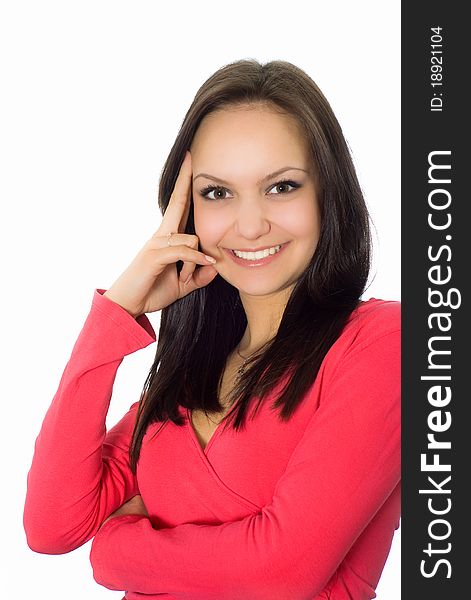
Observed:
{"x":254,"y":195}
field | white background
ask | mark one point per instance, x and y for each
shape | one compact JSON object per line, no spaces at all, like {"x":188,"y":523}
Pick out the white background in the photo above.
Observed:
{"x":93,"y":94}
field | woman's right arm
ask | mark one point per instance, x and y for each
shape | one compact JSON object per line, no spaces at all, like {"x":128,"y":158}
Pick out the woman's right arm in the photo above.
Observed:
{"x":79,"y":474}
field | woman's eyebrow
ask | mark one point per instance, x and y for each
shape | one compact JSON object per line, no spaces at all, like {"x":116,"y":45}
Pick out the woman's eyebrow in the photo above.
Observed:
{"x":266,"y":178}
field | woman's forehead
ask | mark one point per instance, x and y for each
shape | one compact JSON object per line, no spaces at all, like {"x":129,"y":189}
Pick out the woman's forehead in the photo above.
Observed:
{"x":248,"y":134}
{"x":235,"y":115}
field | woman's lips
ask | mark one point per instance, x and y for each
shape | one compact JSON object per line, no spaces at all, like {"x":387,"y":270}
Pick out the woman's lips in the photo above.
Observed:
{"x":258,"y":262}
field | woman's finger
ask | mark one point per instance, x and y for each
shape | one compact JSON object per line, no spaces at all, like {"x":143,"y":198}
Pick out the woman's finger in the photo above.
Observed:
{"x":187,"y":271}
{"x":201,"y":277}
{"x":191,"y":241}
{"x":176,"y":239}
{"x":174,"y":219}
{"x":171,"y":254}
{"x":185,"y":239}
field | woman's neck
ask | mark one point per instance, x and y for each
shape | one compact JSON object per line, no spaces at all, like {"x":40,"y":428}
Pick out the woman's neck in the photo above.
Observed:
{"x":264,"y":314}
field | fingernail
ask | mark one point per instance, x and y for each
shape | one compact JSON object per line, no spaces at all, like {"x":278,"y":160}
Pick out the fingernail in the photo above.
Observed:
{"x":210,"y":258}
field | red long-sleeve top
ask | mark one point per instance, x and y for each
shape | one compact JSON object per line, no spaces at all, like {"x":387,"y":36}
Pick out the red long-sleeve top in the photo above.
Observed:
{"x":301,"y":510}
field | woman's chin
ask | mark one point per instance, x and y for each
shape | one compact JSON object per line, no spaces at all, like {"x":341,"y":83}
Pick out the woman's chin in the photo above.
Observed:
{"x":255,"y":286}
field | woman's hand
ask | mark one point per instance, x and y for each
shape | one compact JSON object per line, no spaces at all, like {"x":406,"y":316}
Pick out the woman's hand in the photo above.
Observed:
{"x":151,"y":281}
{"x":135,"y":506}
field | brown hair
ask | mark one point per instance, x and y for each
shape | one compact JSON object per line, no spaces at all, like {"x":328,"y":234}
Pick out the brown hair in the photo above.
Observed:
{"x":198,"y":332}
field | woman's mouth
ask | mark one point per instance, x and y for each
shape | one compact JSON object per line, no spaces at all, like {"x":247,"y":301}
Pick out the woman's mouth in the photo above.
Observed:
{"x":256,"y":258}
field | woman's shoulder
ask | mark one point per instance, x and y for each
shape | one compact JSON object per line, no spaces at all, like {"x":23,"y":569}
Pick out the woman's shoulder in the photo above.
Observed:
{"x":371,"y":336}
{"x":377,"y":315}
{"x":374,"y":322}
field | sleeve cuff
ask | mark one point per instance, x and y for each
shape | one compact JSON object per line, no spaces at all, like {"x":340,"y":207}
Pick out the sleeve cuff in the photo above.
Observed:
{"x":106,"y":556}
{"x":140,"y":328}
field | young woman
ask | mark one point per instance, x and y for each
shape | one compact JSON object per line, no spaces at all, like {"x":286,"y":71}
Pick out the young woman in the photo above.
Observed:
{"x":262,"y":460}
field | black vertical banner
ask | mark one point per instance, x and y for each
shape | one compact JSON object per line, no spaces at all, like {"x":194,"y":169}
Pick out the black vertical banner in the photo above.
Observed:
{"x":436,"y":259}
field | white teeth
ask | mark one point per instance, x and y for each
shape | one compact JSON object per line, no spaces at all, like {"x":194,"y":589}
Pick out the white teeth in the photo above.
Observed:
{"x":257,"y":255}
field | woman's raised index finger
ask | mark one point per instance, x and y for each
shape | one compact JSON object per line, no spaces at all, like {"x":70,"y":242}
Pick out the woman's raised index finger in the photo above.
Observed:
{"x":176,"y":214}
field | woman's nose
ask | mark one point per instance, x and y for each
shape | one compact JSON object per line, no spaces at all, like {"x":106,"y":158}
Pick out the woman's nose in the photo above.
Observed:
{"x":251,"y":220}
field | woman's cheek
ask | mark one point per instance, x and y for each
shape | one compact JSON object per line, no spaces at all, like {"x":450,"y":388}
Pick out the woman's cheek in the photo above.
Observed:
{"x":209,"y":228}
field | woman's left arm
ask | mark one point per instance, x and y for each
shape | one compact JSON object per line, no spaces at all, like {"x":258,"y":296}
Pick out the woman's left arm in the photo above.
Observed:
{"x":344,"y":468}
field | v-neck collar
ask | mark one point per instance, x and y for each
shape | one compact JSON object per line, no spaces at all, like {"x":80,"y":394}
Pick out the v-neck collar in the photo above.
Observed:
{"x":193,"y":435}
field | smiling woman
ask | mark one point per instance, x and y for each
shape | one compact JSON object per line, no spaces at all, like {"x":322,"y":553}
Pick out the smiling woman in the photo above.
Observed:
{"x":263,"y":458}
{"x":238,"y":224}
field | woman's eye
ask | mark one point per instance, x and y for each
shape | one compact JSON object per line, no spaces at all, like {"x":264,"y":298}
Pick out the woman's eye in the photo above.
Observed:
{"x":282,"y":187}
{"x":219,"y":192}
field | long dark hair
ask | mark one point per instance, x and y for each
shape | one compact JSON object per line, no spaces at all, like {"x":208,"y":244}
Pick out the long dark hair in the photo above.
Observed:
{"x":199,"y":331}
